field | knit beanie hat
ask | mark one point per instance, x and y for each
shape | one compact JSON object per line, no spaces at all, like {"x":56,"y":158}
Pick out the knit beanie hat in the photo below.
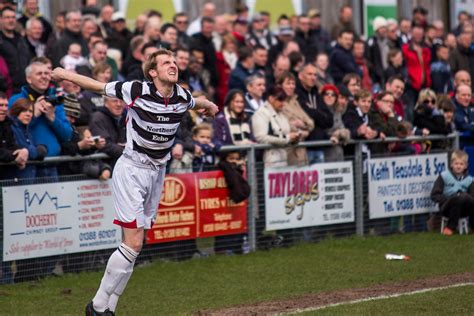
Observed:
{"x":379,"y":22}
{"x":72,"y":106}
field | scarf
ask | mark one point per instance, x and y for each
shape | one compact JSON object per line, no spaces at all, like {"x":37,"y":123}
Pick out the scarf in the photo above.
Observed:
{"x":239,"y":127}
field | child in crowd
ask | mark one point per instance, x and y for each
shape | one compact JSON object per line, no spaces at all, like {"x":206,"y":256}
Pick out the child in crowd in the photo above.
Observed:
{"x":73,"y":58}
{"x":356,"y":118}
{"x":204,"y":150}
{"x":405,"y":129}
{"x":447,"y":108}
{"x":453,"y":190}
{"x":232,"y":165}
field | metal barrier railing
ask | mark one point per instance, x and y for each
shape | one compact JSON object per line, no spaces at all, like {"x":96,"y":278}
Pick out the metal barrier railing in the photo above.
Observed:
{"x":256,"y":204}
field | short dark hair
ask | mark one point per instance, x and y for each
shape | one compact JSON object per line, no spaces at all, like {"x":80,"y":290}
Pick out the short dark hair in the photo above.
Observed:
{"x":382,"y":95}
{"x":206,"y":19}
{"x":153,"y":12}
{"x":244,"y":53}
{"x":258,"y":47}
{"x":181,"y":49}
{"x":278,"y":93}
{"x":3,"y":95}
{"x":179,"y":14}
{"x":446,"y":105}
{"x":348,"y":77}
{"x":391,"y":79}
{"x":343,"y":31}
{"x":438,"y":47}
{"x":7,"y":8}
{"x":463,"y":12}
{"x":147,"y":45}
{"x":166,"y":26}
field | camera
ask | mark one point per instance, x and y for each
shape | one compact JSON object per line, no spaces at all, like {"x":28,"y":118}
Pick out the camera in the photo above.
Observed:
{"x":54,"y":99}
{"x":95,"y":138}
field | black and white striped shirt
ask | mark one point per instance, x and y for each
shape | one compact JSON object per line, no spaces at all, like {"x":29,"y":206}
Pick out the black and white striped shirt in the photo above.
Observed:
{"x":152,"y":120}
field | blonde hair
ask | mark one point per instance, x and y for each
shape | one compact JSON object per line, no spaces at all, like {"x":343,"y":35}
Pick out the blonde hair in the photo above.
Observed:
{"x":150,"y":63}
{"x":424,"y":95}
{"x":202,"y":127}
{"x":459,"y":155}
{"x":362,"y":94}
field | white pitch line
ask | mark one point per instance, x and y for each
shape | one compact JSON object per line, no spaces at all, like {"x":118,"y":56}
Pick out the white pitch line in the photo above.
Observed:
{"x":375,"y":298}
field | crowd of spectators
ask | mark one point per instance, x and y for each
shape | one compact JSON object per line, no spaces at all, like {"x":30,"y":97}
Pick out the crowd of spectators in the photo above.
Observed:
{"x":280,"y":85}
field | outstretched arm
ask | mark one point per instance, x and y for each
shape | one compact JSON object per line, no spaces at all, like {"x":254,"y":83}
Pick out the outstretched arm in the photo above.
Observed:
{"x":206,"y":107}
{"x":82,"y":81}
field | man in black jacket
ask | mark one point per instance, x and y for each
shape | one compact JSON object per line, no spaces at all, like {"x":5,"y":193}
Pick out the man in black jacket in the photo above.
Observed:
{"x":306,"y":39}
{"x":341,"y":60}
{"x":109,"y":123}
{"x":203,"y":40}
{"x":13,"y":48}
{"x":72,"y":34}
{"x":311,"y":103}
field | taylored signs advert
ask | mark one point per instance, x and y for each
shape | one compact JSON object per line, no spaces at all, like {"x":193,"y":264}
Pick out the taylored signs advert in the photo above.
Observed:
{"x":315,"y":195}
{"x":197,"y":205}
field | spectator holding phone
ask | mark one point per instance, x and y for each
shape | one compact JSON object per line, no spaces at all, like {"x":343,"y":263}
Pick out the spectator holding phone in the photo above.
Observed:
{"x":109,"y":123}
{"x":84,"y":144}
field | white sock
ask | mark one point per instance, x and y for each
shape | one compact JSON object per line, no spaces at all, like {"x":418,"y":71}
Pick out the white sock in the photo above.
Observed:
{"x":114,"y":297}
{"x":119,"y":268}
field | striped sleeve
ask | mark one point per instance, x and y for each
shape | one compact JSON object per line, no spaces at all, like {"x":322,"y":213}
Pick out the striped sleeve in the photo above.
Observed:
{"x":192,"y":103}
{"x":127,"y":91}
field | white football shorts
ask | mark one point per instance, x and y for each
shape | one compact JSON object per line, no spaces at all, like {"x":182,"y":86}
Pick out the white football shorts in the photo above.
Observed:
{"x":136,"y":193}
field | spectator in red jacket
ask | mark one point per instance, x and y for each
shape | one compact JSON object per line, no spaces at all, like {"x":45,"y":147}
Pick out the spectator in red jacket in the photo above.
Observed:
{"x":417,"y":59}
{"x":226,"y":60}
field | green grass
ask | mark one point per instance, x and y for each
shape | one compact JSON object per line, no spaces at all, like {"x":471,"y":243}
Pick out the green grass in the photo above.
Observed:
{"x":169,"y":288}
{"x":454,"y":301}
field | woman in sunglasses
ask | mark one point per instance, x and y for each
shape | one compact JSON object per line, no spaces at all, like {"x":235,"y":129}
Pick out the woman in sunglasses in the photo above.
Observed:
{"x":428,"y":119}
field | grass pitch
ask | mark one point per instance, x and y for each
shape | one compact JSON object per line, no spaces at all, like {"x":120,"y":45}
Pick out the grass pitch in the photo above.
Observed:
{"x":454,"y":301}
{"x":170,"y":288}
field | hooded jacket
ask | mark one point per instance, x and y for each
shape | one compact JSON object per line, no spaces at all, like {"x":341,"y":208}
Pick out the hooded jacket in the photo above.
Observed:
{"x":43,"y":131}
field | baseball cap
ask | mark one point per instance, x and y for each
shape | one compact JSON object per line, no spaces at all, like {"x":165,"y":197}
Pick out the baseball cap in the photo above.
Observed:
{"x":117,"y":16}
{"x":314,"y":12}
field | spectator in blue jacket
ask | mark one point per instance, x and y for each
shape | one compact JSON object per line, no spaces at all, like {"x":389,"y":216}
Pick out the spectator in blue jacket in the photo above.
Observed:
{"x":21,"y":114}
{"x":441,"y":76}
{"x":49,"y":126}
{"x":243,"y":69}
{"x":341,"y":60}
{"x":464,"y":115}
